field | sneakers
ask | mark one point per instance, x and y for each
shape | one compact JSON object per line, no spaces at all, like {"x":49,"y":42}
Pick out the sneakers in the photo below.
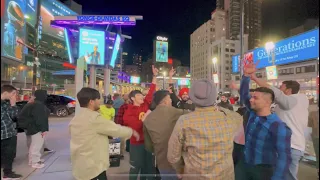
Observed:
{"x":30,"y":162}
{"x":46,"y":150}
{"x":38,"y":165}
{"x":11,"y":176}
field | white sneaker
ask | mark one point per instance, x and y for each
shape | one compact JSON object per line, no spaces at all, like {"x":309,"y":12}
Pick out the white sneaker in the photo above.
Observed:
{"x":30,"y":163}
{"x":38,"y":165}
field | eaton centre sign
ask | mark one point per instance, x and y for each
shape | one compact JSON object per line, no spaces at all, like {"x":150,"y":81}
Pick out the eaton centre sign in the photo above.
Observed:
{"x":294,"y":49}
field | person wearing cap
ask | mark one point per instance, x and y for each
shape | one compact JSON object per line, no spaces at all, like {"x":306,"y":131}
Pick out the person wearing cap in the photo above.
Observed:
{"x":183,"y":101}
{"x":107,"y":111}
{"x":202,"y":141}
{"x":158,"y":126}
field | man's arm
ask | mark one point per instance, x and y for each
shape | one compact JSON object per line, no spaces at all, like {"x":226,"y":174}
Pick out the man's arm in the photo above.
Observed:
{"x":285,"y":102}
{"x":175,"y":146}
{"x":40,"y":115}
{"x":149,"y":96}
{"x":281,"y":136}
{"x":244,"y":91}
{"x":109,"y":128}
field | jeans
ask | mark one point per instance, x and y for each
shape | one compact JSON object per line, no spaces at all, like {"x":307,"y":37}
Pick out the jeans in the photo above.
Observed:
{"x":102,"y":176}
{"x":245,"y":171}
{"x":35,"y":147}
{"x":296,"y":156}
{"x":168,"y":174}
{"x":8,"y":153}
{"x":141,"y":162}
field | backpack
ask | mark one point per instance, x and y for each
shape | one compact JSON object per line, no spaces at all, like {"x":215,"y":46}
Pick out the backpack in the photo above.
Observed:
{"x":25,"y":116}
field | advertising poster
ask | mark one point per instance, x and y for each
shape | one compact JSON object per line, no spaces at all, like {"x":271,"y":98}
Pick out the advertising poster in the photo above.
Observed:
{"x":134,"y":80}
{"x":183,"y":82}
{"x":92,"y":46}
{"x":161,"y":51}
{"x":115,"y":51}
{"x":272,"y":72}
{"x":215,"y":78}
{"x":247,"y":59}
{"x":31,"y":11}
{"x":14,"y":29}
{"x":49,"y":9}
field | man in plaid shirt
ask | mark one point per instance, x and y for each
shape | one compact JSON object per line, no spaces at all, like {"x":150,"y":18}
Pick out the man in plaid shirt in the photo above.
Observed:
{"x":119,"y":120}
{"x":267,"y":153}
{"x":9,"y":111}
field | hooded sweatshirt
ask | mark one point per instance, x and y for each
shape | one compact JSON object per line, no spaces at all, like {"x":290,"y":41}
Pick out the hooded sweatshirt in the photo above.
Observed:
{"x":134,"y":114}
{"x":36,"y":114}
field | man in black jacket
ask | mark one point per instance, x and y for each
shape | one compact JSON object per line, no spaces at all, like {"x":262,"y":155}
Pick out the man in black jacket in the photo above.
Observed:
{"x":225,"y":102}
{"x":9,"y":111}
{"x":34,"y":118}
{"x":184,"y":102}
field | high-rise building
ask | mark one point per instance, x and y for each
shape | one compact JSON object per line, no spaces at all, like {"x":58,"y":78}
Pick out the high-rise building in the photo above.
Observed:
{"x":124,"y":60}
{"x":73,"y":6}
{"x":252,"y":20}
{"x":137,"y":61}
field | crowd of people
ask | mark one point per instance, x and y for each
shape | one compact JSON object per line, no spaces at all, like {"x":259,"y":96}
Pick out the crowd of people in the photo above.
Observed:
{"x":187,"y":135}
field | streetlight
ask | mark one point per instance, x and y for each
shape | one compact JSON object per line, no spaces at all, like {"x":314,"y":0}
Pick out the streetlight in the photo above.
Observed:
{"x":270,"y":50}
{"x":164,"y":74}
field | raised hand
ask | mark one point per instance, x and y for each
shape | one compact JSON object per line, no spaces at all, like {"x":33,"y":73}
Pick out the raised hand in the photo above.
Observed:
{"x":172,"y":72}
{"x":250,"y":68}
{"x":155,"y":71}
{"x":233,"y":85}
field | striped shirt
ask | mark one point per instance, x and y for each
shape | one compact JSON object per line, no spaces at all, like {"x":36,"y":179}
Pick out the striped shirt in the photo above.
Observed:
{"x":268,"y":139}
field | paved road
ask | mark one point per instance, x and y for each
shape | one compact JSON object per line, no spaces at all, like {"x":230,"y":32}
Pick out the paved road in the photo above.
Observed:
{"x":58,"y":164}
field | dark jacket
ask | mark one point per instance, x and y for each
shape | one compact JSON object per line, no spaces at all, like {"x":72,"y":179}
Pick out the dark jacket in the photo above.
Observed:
{"x":180,"y":104}
{"x":35,"y":115}
{"x":8,"y":116}
{"x":226,"y":105}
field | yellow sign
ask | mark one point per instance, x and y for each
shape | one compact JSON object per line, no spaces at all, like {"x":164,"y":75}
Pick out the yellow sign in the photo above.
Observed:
{"x":272,"y":72}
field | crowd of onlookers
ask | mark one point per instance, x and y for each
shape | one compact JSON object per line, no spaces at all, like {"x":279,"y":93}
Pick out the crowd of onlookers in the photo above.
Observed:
{"x":195,"y":134}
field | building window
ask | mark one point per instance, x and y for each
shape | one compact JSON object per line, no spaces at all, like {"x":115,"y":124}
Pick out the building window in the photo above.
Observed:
{"x":232,"y":50}
{"x":227,"y":55}
{"x":227,"y":49}
{"x":227,"y":68}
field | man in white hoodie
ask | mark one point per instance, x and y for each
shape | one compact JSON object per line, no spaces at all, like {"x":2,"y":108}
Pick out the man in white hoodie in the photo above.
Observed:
{"x":292,"y":108}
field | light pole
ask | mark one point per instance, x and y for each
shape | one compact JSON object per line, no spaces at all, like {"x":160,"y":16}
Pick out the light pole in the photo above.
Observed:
{"x":164,"y":74}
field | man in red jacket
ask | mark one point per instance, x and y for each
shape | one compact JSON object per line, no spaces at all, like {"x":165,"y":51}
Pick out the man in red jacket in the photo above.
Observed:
{"x":140,"y":159}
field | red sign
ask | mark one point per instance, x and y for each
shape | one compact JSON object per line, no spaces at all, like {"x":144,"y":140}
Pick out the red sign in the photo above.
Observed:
{"x":68,"y":65}
{"x":170,"y":61}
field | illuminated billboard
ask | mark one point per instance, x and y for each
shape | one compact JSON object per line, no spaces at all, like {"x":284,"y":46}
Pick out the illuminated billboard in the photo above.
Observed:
{"x":49,"y":9}
{"x":294,"y":49}
{"x":272,"y":72}
{"x":115,"y":51}
{"x":161,"y":51}
{"x":92,"y":46}
{"x":134,"y":80}
{"x":14,"y":29}
{"x":183,"y":82}
{"x":31,"y":12}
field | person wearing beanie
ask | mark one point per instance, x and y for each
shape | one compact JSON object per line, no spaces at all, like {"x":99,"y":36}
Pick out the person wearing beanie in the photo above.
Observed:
{"x":204,"y":136}
{"x":183,"y":102}
{"x":158,"y":126}
{"x":34,"y":118}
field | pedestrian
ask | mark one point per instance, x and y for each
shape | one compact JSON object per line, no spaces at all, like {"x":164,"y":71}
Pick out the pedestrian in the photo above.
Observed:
{"x":140,"y":159}
{"x":34,"y":119}
{"x":158,"y":126}
{"x":314,"y":124}
{"x":267,"y":153}
{"x":183,"y":101}
{"x":107,"y":111}
{"x":89,"y":144}
{"x":124,"y":143}
{"x":118,"y":102}
{"x":9,"y":111}
{"x":292,"y":108}
{"x":201,"y":144}
{"x":225,"y":102}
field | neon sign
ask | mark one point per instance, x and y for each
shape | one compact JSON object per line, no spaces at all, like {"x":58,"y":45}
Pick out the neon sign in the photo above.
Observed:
{"x":160,"y":38}
{"x":104,"y":18}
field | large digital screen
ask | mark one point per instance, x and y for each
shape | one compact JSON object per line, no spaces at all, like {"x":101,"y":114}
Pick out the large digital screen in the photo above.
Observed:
{"x":92,"y":46}
{"x":183,"y":82}
{"x":161,"y":51}
{"x":31,"y":12}
{"x":115,"y":51}
{"x":294,"y":49}
{"x":134,"y":80}
{"x":14,"y":29}
{"x":49,"y":9}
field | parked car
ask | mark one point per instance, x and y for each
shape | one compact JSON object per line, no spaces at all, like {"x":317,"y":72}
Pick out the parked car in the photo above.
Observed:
{"x":59,"y":105}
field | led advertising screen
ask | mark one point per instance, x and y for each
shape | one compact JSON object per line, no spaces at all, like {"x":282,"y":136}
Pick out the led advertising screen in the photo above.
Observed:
{"x":49,"y":9}
{"x":183,"y":82}
{"x":215,"y":78}
{"x":294,"y":49}
{"x":115,"y":51}
{"x":272,"y":72}
{"x":14,"y":29}
{"x":134,"y":80}
{"x":31,"y":12}
{"x":92,"y":46}
{"x":161,"y":51}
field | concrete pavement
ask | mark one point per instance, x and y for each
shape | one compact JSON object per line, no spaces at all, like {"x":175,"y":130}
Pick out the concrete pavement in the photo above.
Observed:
{"x":58,"y":164}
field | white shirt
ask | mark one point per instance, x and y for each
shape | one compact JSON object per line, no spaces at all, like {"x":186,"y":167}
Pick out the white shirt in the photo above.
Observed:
{"x":293,"y":110}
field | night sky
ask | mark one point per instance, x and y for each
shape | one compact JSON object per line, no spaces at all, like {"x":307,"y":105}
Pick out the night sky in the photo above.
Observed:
{"x":177,"y":19}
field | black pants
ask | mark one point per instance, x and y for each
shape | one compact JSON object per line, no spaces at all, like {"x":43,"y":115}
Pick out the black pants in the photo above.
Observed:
{"x":8,"y":153}
{"x":253,"y":172}
{"x":141,"y":162}
{"x":102,"y":176}
{"x":237,"y":153}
